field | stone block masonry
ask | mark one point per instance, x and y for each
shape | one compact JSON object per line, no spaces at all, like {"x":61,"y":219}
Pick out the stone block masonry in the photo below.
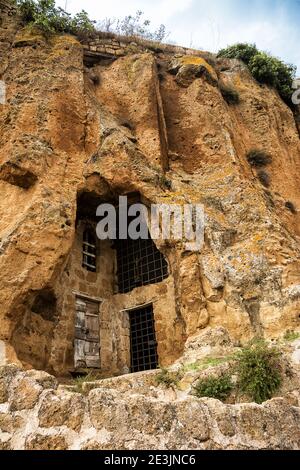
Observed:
{"x":130,"y":412}
{"x":147,"y":120}
{"x":121,"y":46}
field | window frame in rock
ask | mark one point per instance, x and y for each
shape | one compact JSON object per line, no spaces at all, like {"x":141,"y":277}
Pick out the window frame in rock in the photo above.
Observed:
{"x":89,"y":249}
{"x":143,"y":341}
{"x":142,"y":265}
{"x":139,"y":263}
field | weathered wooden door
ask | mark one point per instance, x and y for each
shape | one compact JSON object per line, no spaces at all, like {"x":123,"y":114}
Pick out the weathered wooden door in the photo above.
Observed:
{"x":87,"y":341}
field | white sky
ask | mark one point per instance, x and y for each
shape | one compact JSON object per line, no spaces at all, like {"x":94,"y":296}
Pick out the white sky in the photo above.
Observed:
{"x":274,"y":25}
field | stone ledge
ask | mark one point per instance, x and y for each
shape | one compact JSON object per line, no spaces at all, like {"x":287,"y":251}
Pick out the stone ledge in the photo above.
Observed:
{"x":107,"y":418}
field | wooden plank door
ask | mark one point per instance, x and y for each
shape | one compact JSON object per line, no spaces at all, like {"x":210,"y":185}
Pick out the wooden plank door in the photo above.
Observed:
{"x":87,"y":341}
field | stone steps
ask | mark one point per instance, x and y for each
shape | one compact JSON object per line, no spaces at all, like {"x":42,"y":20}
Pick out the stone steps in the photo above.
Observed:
{"x":139,"y":382}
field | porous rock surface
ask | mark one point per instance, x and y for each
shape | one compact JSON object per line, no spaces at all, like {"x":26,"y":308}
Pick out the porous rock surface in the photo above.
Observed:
{"x":129,"y":413}
{"x":155,"y":123}
{"x":135,"y":412}
{"x":151,"y":118}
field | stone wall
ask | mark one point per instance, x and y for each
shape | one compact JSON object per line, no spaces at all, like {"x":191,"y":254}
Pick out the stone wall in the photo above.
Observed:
{"x":113,"y":316}
{"x":119,"y":46}
{"x":47,"y":342}
{"x":132,"y":413}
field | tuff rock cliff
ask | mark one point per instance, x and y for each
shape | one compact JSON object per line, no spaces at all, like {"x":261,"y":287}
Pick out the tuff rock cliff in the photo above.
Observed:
{"x":84,"y":123}
{"x":156,"y":123}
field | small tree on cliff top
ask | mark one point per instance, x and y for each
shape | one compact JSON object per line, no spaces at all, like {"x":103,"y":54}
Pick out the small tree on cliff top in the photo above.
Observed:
{"x":264,"y":67}
{"x":134,"y":26}
{"x":45,"y":16}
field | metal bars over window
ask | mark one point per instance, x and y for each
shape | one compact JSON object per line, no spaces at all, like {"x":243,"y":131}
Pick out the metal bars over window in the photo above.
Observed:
{"x":89,"y":251}
{"x":139,"y":263}
{"x":143,"y":340}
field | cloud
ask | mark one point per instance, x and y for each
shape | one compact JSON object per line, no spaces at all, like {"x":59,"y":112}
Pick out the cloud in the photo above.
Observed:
{"x":272,"y":24}
{"x":159,"y":10}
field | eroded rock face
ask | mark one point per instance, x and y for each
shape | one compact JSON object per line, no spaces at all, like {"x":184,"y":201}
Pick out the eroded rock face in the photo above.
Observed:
{"x":108,"y":418}
{"x":61,"y":410}
{"x":26,"y":395}
{"x":155,"y":124}
{"x":41,"y":442}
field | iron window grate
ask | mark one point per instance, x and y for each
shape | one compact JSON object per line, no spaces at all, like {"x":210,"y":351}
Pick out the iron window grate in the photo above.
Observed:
{"x":139,"y":263}
{"x":143,"y":339}
{"x":89,"y":252}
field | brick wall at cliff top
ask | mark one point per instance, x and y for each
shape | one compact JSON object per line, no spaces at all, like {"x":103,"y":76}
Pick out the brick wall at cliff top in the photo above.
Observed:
{"x":121,"y":46}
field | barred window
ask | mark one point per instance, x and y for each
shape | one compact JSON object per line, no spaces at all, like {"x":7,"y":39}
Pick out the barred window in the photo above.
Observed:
{"x":140,"y":263}
{"x":89,"y":251}
{"x":143,"y":339}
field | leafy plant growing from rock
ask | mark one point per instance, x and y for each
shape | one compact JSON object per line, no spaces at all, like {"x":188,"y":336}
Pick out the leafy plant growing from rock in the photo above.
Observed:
{"x":47,"y":18}
{"x":78,"y":381}
{"x":291,"y":336}
{"x":259,"y":371}
{"x":258,"y":158}
{"x":164,"y":182}
{"x":214,"y":387}
{"x":264,"y":67}
{"x":240,"y":51}
{"x":168,"y":378}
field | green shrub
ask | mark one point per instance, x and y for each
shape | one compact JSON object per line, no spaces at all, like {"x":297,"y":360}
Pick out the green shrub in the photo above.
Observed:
{"x":89,"y":376}
{"x":264,"y":67}
{"x":291,"y":336}
{"x":259,"y":372}
{"x":214,"y":387}
{"x":258,"y":158}
{"x":46,"y":17}
{"x":205,"y":363}
{"x":241,"y":51}
{"x":274,"y":72}
{"x":230,"y":95}
{"x":264,"y":178}
{"x":167,"y":378}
